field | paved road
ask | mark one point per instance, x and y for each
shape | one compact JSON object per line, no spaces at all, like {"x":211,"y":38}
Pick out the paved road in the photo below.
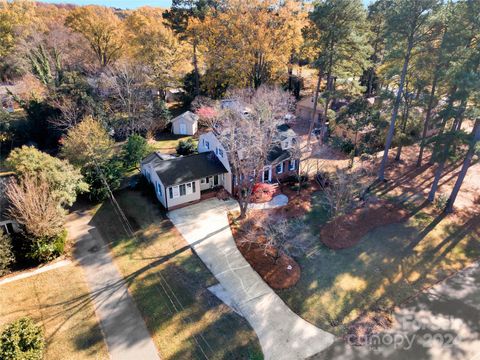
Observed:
{"x":125,"y":331}
{"x":425,"y":327}
{"x":282,"y":333}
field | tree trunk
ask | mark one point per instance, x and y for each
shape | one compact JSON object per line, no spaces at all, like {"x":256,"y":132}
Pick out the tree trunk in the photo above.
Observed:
{"x":465,"y":167}
{"x":403,"y":128}
{"x":426,"y":124}
{"x":315,"y":103}
{"x":436,"y":180}
{"x":195,"y":67}
{"x":391,"y":130}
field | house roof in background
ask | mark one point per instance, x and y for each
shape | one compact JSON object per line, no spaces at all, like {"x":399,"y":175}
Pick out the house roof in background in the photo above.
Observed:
{"x":277,"y":155}
{"x":186,"y":116}
{"x":184,"y":169}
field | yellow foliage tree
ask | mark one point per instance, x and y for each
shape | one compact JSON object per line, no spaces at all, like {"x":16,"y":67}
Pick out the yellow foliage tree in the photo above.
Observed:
{"x":153,"y":43}
{"x":103,"y":30}
{"x":247,"y":43}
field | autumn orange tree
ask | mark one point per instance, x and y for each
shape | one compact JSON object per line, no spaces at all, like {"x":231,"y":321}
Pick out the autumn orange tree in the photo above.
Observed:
{"x":246,"y":44}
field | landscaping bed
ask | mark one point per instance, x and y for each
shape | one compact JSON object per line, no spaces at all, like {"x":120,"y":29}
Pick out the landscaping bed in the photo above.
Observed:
{"x":347,"y":230}
{"x":280,"y":274}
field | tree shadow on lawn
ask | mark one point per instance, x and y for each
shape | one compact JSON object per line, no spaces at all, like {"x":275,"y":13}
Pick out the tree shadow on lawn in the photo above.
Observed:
{"x":390,"y":265}
{"x":169,"y":284}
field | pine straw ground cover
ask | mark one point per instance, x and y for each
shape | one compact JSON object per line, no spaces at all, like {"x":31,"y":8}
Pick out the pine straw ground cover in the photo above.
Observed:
{"x":169,"y":285}
{"x":59,"y":301}
{"x":352,"y":291}
{"x":280,"y":274}
{"x":347,"y":230}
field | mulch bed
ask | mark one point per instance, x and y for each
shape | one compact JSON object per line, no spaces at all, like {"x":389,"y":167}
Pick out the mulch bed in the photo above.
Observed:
{"x":298,"y":204}
{"x":347,"y":230}
{"x":276,"y":275}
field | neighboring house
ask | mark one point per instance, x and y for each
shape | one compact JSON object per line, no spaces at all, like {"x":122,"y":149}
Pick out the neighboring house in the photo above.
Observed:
{"x":185,"y":124}
{"x":174,"y":95}
{"x":304,"y":110}
{"x":6,"y":99}
{"x":7,"y":225}
{"x":182,"y":180}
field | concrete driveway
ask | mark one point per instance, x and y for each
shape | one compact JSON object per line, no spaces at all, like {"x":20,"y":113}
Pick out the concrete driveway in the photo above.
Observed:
{"x":441,"y":324}
{"x":282,"y":333}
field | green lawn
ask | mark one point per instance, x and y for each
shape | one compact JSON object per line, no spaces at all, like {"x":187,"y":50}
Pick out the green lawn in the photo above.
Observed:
{"x":59,"y":301}
{"x":169,"y":284}
{"x":388,"y":266}
{"x":167,"y":143}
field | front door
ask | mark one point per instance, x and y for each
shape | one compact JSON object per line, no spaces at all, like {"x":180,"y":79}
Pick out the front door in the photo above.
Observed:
{"x":183,"y":129}
{"x":215,"y":180}
{"x":267,"y":174}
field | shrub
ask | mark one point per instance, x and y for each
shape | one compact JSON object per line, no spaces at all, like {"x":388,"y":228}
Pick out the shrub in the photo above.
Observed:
{"x":22,"y":340}
{"x":134,"y":150}
{"x":345,"y":145}
{"x":186,"y":147}
{"x":6,"y":253}
{"x":47,"y":248}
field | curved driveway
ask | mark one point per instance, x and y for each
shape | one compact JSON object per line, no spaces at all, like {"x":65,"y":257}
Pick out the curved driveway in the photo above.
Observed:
{"x":282,"y":333}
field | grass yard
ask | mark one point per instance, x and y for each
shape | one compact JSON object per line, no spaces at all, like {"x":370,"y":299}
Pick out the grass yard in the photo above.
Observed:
{"x":169,"y":284}
{"x":387,"y":267}
{"x":59,"y":301}
{"x":167,"y":143}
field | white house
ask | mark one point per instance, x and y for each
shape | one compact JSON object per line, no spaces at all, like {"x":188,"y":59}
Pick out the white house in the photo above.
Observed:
{"x":183,"y":180}
{"x":185,"y":124}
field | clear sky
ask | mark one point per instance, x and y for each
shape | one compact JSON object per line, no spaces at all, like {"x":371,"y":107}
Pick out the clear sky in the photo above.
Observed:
{"x":126,"y":4}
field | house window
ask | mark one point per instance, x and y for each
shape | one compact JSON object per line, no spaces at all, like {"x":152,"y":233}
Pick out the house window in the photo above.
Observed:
{"x":293,"y":165}
{"x":190,"y":188}
{"x":207,"y":145}
{"x":183,"y":190}
{"x":220,"y":152}
{"x":159,"y":189}
{"x":279,"y":168}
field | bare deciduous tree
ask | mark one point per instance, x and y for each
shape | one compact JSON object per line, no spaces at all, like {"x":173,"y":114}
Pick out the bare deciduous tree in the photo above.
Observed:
{"x":130,"y":92}
{"x":33,"y":206}
{"x":277,"y":238}
{"x":248,"y":132}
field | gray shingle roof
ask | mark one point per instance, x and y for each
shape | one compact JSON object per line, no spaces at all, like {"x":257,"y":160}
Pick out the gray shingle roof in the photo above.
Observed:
{"x":186,"y":168}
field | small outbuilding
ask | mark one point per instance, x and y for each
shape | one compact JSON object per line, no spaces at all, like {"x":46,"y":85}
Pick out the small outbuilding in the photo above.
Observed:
{"x":185,"y":124}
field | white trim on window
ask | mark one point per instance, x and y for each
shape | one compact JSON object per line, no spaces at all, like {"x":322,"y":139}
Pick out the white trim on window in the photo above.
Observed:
{"x":277,"y":170}
{"x":292,"y":165}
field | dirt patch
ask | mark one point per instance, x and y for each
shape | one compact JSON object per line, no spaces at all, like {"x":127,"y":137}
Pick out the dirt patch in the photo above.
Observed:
{"x":347,"y":230}
{"x":367,"y":325}
{"x":280,"y":274}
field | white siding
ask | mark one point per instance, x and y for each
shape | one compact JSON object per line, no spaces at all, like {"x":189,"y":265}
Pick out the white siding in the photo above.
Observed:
{"x":175,"y":201}
{"x":153,"y":178}
{"x":209,"y":142}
